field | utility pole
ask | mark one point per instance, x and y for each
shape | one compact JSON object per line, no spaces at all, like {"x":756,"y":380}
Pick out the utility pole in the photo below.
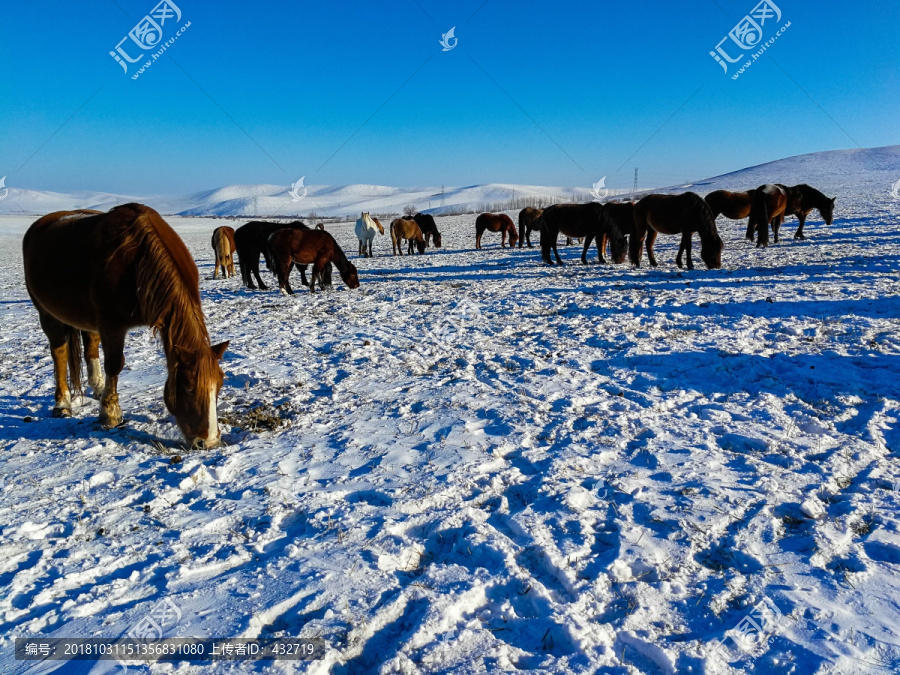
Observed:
{"x":634,"y":189}
{"x":442,"y":195}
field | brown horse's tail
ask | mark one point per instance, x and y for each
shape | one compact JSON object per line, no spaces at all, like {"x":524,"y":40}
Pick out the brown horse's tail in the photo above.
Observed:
{"x":75,"y":348}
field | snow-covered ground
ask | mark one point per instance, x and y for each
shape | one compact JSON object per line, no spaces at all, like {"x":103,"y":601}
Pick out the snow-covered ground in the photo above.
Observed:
{"x":478,"y":463}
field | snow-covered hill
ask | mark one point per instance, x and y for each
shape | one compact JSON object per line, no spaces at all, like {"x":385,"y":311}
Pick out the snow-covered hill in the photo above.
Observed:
{"x":826,"y":170}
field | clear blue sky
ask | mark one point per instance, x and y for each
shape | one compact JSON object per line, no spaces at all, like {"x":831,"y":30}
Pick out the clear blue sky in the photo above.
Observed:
{"x":267,"y":92}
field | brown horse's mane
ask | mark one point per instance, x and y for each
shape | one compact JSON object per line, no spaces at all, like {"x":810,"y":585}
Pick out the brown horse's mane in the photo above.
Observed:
{"x":811,"y":195}
{"x":168,"y":290}
{"x":340,"y":259}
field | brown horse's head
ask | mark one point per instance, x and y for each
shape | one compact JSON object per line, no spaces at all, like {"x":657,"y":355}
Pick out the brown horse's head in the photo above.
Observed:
{"x":513,"y":235}
{"x":711,"y":252}
{"x":618,"y":247}
{"x":421,"y":245}
{"x":827,"y":211}
{"x":350,"y":275}
{"x":192,"y":390}
{"x":437,"y":239}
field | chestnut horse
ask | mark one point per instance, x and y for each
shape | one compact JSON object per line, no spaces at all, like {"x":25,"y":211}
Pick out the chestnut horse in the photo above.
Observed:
{"x":681,"y":214}
{"x":252,"y":240}
{"x":92,"y":277}
{"x":527,"y":224}
{"x":223,"y":248}
{"x":402,"y":228}
{"x":305,"y":247}
{"x":426,"y":223}
{"x":732,"y":205}
{"x":495,"y":222}
{"x":590,"y":221}
{"x":773,"y":203}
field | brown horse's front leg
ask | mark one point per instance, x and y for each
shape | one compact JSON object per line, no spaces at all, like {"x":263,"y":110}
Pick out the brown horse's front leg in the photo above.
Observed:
{"x":113,"y":362}
{"x":478,"y":239}
{"x":685,"y":248}
{"x":751,"y":229}
{"x":587,"y":244}
{"x":96,"y":381}
{"x":799,"y":233}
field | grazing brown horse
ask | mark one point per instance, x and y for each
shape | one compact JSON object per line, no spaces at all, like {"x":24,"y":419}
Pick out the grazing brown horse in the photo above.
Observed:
{"x":252,"y":241}
{"x":320,"y":226}
{"x":495,"y":222}
{"x":426,"y":223}
{"x":527,"y":224}
{"x":622,"y":216}
{"x":92,"y":276}
{"x":402,"y":228}
{"x":590,"y":221}
{"x":307,"y":247}
{"x":681,"y":214}
{"x":223,"y":248}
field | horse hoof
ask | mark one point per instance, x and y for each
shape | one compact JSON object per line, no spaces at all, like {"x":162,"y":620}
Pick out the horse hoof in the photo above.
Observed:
{"x":62,"y":412}
{"x":110,"y":420}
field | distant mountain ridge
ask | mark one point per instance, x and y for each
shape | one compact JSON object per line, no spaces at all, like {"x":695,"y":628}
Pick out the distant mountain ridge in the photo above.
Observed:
{"x":878,"y":168}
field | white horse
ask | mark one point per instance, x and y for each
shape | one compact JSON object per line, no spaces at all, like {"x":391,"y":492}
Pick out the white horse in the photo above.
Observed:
{"x":366,"y":228}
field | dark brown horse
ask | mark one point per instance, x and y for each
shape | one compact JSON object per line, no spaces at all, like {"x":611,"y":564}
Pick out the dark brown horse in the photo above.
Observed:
{"x":426,"y":223}
{"x":223,"y":248}
{"x":590,"y":221}
{"x":622,"y":216}
{"x":802,"y":200}
{"x":681,"y":214}
{"x":252,"y":241}
{"x":308,"y":247}
{"x":408,"y":229}
{"x":92,"y":277}
{"x":495,"y":222}
{"x":527,"y":224}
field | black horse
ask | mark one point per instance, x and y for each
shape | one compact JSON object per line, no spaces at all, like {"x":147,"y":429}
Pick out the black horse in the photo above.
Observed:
{"x":252,"y":240}
{"x":426,"y":223}
{"x":590,"y":221}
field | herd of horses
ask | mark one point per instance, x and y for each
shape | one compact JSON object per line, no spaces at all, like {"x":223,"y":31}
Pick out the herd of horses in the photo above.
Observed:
{"x":93,"y":276}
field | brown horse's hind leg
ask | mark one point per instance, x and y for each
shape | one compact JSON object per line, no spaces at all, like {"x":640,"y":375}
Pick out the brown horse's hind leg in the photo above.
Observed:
{"x":776,"y":227}
{"x":96,"y":380}
{"x":651,"y":239}
{"x":113,"y":362}
{"x":59,"y":350}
